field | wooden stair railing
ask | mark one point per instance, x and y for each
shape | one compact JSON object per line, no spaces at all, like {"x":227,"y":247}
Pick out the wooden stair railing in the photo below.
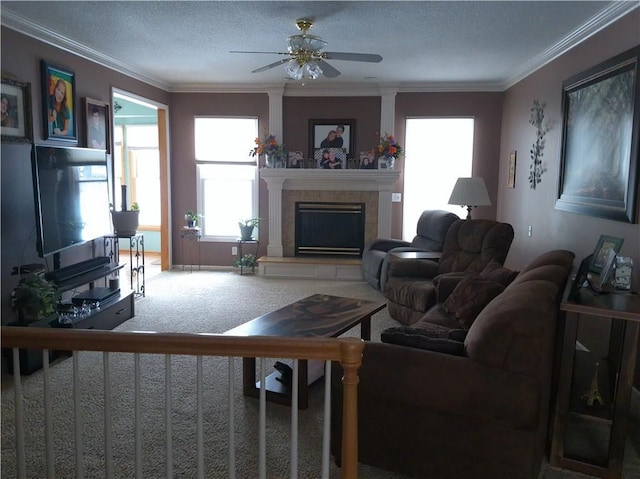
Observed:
{"x":347,"y":351}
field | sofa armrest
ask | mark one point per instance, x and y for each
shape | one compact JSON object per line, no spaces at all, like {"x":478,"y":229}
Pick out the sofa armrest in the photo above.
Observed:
{"x":447,"y":384}
{"x":415,"y":268}
{"x":384,"y":244}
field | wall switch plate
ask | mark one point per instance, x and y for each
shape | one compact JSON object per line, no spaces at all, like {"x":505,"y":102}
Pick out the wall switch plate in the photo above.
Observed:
{"x":234,"y":250}
{"x":530,"y":231}
{"x":396,"y":197}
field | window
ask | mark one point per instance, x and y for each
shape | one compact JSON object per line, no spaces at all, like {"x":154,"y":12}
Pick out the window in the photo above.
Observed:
{"x":438,"y":151}
{"x":226,"y":174}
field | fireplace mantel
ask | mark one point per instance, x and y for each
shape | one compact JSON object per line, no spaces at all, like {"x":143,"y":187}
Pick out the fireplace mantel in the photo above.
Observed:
{"x":279,"y":179}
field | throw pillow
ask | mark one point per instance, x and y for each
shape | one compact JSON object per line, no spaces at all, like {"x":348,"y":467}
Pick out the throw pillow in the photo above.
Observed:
{"x":498,"y":273}
{"x":470,"y":297}
{"x":439,"y":341}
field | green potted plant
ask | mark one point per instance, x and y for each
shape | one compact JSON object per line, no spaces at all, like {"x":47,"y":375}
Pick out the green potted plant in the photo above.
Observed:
{"x":35,"y":301}
{"x":191,"y":217}
{"x":125,"y":222}
{"x":246,"y":228}
{"x":247,"y":261}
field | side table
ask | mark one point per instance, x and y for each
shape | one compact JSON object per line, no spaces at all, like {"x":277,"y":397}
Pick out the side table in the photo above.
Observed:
{"x":136,"y":259}
{"x":191,"y":234}
{"x":242,"y":242}
{"x":594,"y":394}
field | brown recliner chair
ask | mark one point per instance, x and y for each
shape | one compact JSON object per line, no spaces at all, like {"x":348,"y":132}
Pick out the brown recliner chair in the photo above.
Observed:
{"x":430,"y":233}
{"x":468,"y":247}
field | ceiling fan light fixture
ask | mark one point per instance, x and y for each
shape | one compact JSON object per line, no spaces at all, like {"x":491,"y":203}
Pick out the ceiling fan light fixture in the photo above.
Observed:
{"x":313,"y":69}
{"x":294,"y":69}
{"x":309,"y":43}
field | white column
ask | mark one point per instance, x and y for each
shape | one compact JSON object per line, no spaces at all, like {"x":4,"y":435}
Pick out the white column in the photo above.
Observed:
{"x":387,"y":110}
{"x":275,"y":112}
{"x":275,"y":218}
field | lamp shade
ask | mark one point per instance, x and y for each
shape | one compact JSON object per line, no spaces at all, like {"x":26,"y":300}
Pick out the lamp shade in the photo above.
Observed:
{"x":470,"y":192}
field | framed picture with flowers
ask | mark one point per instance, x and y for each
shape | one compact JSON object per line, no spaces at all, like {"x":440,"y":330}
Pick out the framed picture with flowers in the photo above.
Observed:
{"x":332,"y":134}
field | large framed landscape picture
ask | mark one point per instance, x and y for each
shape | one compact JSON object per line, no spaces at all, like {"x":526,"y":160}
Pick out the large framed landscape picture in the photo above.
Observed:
{"x":601,"y":124}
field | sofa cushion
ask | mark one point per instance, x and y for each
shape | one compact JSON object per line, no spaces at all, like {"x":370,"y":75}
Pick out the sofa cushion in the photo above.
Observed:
{"x":438,"y":339}
{"x":470,"y":297}
{"x":494,"y":271}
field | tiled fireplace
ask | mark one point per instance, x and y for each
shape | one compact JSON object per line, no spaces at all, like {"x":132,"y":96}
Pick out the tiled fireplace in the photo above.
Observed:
{"x":286,"y":187}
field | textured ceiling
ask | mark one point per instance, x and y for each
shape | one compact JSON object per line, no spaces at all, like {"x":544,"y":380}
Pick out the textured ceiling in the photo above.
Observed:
{"x":185,"y":45}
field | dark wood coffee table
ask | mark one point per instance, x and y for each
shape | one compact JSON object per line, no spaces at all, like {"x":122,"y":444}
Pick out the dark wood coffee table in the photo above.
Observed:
{"x":318,"y":315}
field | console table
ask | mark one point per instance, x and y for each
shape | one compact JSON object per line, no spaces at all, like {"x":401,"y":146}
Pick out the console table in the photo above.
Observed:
{"x":585,"y":381}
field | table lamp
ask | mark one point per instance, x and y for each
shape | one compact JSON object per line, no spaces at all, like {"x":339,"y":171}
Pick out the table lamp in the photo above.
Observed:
{"x":470,"y":193}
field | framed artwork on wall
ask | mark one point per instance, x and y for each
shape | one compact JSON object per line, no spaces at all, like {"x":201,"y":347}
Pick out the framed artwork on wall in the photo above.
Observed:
{"x":332,"y":134}
{"x":17,"y":123}
{"x":511,"y":181}
{"x":600,"y":135}
{"x":96,"y":114}
{"x":58,"y":103}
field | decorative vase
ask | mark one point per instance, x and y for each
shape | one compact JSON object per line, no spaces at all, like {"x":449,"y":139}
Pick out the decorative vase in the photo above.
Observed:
{"x":275,"y":160}
{"x":246,"y":233}
{"x":389,"y":161}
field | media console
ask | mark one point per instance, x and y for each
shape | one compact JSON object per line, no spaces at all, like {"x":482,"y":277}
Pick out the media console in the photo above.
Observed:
{"x":109,"y":308}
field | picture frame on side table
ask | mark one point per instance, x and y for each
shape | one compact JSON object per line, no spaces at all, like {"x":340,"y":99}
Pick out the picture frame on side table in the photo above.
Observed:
{"x":600,"y":140}
{"x":511,"y":181}
{"x":17,"y":122}
{"x":321,"y":136}
{"x":97,"y":131}
{"x":601,"y":253}
{"x":58,"y":103}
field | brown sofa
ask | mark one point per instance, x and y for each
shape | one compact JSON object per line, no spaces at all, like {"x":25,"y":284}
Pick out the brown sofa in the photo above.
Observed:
{"x":479,"y":410}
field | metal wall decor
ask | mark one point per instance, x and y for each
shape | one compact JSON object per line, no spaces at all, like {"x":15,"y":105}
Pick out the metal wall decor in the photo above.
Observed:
{"x":537,"y":150}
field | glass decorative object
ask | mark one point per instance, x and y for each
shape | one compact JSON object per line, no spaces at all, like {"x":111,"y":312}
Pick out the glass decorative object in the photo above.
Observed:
{"x":624,"y":268}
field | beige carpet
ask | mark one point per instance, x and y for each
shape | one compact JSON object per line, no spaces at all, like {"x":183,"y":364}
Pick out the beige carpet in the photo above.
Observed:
{"x":202,"y":301}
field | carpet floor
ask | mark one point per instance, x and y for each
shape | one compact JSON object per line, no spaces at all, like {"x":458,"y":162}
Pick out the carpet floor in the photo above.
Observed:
{"x":201,"y":301}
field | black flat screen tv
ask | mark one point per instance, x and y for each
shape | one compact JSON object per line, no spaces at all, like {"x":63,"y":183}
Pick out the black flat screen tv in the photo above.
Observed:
{"x":71,"y":189}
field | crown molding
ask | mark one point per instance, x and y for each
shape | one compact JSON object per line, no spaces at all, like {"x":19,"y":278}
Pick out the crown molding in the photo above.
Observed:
{"x":610,"y":14}
{"x":603,"y":19}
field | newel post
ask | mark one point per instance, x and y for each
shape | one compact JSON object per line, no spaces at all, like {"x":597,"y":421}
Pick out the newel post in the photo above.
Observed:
{"x":351,"y":362}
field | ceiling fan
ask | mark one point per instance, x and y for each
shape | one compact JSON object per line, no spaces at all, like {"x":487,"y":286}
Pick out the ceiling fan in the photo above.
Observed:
{"x":305,"y":56}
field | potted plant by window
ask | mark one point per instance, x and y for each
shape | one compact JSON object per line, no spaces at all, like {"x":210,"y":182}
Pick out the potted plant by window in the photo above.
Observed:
{"x":246,"y":228}
{"x":35,"y":300}
{"x":125,"y":222}
{"x":191,"y":217}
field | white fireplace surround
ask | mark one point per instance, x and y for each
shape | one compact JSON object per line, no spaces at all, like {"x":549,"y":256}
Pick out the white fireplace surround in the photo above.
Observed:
{"x":279,"y":179}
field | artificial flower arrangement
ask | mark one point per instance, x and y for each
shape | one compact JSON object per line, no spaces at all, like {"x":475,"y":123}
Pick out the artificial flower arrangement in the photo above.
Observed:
{"x":268,"y":146}
{"x":388,"y":147}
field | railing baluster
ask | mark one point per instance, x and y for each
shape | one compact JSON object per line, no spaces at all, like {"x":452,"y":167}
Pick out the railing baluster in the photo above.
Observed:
{"x":48,"y":426}
{"x":294,"y":421}
{"x":137,"y":414}
{"x":77,"y":406}
{"x":167,"y":413}
{"x":232,"y":422}
{"x":19,"y":416}
{"x":108,"y":439}
{"x":199,"y":426}
{"x":326,"y":430}
{"x":262,"y":456}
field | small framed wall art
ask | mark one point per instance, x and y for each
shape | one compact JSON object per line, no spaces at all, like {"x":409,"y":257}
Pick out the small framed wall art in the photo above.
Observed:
{"x":17,"y":125}
{"x":511,"y":180}
{"x":96,"y":114}
{"x":58,"y":103}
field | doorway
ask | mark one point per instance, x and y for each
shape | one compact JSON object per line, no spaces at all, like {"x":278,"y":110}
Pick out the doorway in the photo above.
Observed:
{"x":141,"y":163}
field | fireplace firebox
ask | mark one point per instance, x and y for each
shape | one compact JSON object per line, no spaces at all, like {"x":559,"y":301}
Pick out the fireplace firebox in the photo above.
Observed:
{"x":329,"y":229}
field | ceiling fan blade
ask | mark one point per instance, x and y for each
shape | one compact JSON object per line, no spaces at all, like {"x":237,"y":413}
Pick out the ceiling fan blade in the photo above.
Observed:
{"x":271,"y":65}
{"x":270,"y":53}
{"x":328,"y":70}
{"x":354,"y":57}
